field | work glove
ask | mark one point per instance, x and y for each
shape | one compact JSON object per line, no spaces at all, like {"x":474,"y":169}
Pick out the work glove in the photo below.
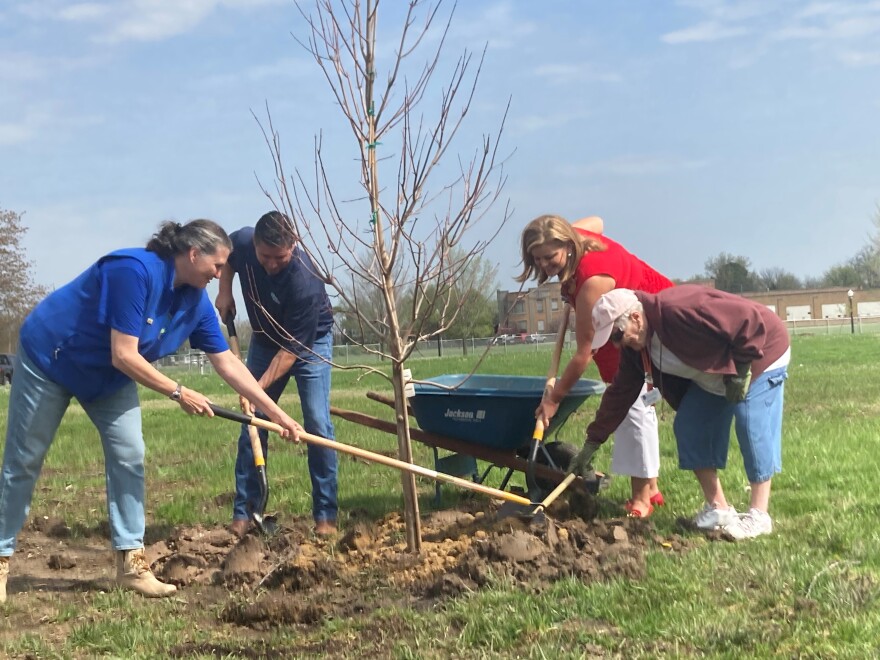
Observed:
{"x":736,"y":387}
{"x":582,"y":463}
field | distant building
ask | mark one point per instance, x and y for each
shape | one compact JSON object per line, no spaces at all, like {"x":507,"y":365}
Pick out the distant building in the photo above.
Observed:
{"x":816,"y":304}
{"x":531,"y":311}
{"x":537,"y":310}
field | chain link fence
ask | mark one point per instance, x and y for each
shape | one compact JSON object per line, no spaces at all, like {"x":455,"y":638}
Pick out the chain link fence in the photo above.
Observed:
{"x":349,"y":354}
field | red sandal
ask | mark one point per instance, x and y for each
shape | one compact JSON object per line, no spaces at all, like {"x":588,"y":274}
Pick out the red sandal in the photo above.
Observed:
{"x":633,"y":512}
{"x":656,"y":500}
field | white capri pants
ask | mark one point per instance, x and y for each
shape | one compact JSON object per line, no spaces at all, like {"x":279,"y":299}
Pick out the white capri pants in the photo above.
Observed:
{"x":636,"y":450}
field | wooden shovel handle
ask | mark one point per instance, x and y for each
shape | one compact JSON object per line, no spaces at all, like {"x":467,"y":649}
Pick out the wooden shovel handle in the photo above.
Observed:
{"x":253,"y":435}
{"x":538,"y":434}
{"x":372,"y":457}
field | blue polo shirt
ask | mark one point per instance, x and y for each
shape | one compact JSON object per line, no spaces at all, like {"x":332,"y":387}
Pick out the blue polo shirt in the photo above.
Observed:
{"x":68,"y":334}
{"x":294,"y":298}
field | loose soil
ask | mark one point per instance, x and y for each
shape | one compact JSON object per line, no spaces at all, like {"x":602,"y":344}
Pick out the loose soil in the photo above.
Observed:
{"x":294,"y":577}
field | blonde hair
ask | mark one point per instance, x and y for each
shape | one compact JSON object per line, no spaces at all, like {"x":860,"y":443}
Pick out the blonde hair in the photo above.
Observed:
{"x":557,"y":231}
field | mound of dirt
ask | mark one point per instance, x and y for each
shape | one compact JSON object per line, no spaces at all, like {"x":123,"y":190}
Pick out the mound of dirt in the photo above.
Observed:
{"x":294,"y":577}
{"x":462,"y":551}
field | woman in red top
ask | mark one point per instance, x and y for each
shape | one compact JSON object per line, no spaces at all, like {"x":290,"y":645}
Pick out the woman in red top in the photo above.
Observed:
{"x":589,"y":265}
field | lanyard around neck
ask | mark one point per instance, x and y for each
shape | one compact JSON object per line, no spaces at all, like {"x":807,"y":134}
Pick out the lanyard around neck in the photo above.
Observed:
{"x":646,"y":363}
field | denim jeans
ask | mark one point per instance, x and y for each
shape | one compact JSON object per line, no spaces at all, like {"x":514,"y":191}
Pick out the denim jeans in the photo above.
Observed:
{"x":36,"y":406}
{"x":312,"y":377}
{"x":702,"y":427}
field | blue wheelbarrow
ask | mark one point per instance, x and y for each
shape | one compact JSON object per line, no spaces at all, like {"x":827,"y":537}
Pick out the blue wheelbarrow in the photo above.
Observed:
{"x":488,"y":417}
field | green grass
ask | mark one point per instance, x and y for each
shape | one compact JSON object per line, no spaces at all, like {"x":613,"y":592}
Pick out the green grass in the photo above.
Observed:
{"x":809,"y":590}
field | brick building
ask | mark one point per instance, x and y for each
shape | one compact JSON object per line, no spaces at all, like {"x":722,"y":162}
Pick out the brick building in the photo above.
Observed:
{"x":537,"y":310}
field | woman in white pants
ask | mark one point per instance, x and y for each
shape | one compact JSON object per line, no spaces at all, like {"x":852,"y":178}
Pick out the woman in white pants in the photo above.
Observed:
{"x":588,"y":265}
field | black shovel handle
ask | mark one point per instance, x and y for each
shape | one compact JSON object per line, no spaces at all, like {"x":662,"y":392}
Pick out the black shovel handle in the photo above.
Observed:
{"x":234,"y":415}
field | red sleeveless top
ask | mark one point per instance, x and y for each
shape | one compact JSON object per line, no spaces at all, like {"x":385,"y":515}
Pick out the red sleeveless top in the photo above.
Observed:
{"x":627,"y":271}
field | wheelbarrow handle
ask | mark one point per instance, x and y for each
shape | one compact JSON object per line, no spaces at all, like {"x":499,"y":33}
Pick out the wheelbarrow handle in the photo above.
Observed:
{"x":235,"y":416}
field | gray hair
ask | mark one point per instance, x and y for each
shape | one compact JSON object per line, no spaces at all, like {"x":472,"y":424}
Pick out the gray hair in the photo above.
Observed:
{"x":621,"y":321}
{"x":174,"y":238}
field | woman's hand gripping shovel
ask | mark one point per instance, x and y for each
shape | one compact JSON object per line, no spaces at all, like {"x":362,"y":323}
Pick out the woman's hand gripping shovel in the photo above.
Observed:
{"x":266,"y":524}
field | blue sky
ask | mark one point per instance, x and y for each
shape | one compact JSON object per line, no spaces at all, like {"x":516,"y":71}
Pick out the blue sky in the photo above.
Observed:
{"x":691,"y":126}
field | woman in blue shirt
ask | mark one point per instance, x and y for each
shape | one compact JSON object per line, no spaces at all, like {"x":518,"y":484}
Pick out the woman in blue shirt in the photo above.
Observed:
{"x":94,"y":339}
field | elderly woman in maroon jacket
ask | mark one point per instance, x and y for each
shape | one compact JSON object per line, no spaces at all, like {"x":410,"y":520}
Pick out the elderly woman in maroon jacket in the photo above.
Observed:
{"x":714,"y":357}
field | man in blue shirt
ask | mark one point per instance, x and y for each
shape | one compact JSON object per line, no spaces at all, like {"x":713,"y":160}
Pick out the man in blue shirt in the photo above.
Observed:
{"x":292,"y":321}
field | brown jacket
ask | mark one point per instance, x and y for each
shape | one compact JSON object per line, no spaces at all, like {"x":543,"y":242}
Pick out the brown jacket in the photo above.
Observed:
{"x":708,"y":330}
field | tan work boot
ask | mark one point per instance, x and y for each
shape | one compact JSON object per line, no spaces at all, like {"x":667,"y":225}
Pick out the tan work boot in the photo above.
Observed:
{"x":240,"y":527}
{"x":325,"y":527}
{"x":4,"y":573}
{"x":133,"y":572}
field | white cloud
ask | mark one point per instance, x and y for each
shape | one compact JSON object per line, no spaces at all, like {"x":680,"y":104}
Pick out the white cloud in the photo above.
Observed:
{"x":639,"y":165}
{"x":11,"y":134}
{"x":21,"y":67}
{"x":703,"y":32}
{"x":43,"y":122}
{"x":737,"y":10}
{"x":285,"y":68}
{"x":135,"y":20}
{"x":853,"y":25}
{"x":26,"y":67}
{"x":859,"y":59}
{"x":497,"y":25}
{"x":86,"y":11}
{"x":838,"y":9}
{"x":564,"y":74}
{"x":532,"y":123}
{"x":154,"y":20}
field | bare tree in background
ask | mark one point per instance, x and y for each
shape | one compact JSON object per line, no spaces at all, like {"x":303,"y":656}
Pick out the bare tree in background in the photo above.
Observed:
{"x":18,"y":292}
{"x":399,"y":234}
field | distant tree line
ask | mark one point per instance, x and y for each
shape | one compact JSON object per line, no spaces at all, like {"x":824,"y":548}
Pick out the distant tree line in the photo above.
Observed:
{"x":470,"y":305}
{"x":18,"y":291}
{"x":474,"y":292}
{"x":734,"y":273}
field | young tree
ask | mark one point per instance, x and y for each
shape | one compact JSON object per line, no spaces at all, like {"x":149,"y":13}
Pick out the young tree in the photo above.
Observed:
{"x":411,"y":228}
{"x":476,"y":309}
{"x":778,"y":279}
{"x":731,"y":273}
{"x":18,"y":292}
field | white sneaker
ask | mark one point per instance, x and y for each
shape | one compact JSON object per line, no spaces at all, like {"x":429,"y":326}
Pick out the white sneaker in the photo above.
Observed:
{"x":711,"y":517}
{"x":749,"y":525}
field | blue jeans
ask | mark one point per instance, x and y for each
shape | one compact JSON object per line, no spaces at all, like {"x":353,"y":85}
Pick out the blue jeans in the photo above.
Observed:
{"x":702,"y":427}
{"x":36,"y":406}
{"x":312,"y":377}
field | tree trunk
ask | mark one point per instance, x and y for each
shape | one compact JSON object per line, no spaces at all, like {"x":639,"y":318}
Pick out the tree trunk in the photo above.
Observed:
{"x":404,"y":453}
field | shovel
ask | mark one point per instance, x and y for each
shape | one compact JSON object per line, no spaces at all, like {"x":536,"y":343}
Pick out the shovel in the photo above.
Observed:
{"x":538,"y":433}
{"x":245,"y":418}
{"x":266,"y":524}
{"x":538,"y":436}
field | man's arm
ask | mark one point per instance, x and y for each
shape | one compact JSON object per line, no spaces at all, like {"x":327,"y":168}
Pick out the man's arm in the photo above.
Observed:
{"x":225,"y":302}
{"x":280,"y":365}
{"x":619,"y":397}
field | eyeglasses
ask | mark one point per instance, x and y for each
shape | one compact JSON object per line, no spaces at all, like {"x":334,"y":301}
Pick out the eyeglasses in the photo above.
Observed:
{"x":620,"y":326}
